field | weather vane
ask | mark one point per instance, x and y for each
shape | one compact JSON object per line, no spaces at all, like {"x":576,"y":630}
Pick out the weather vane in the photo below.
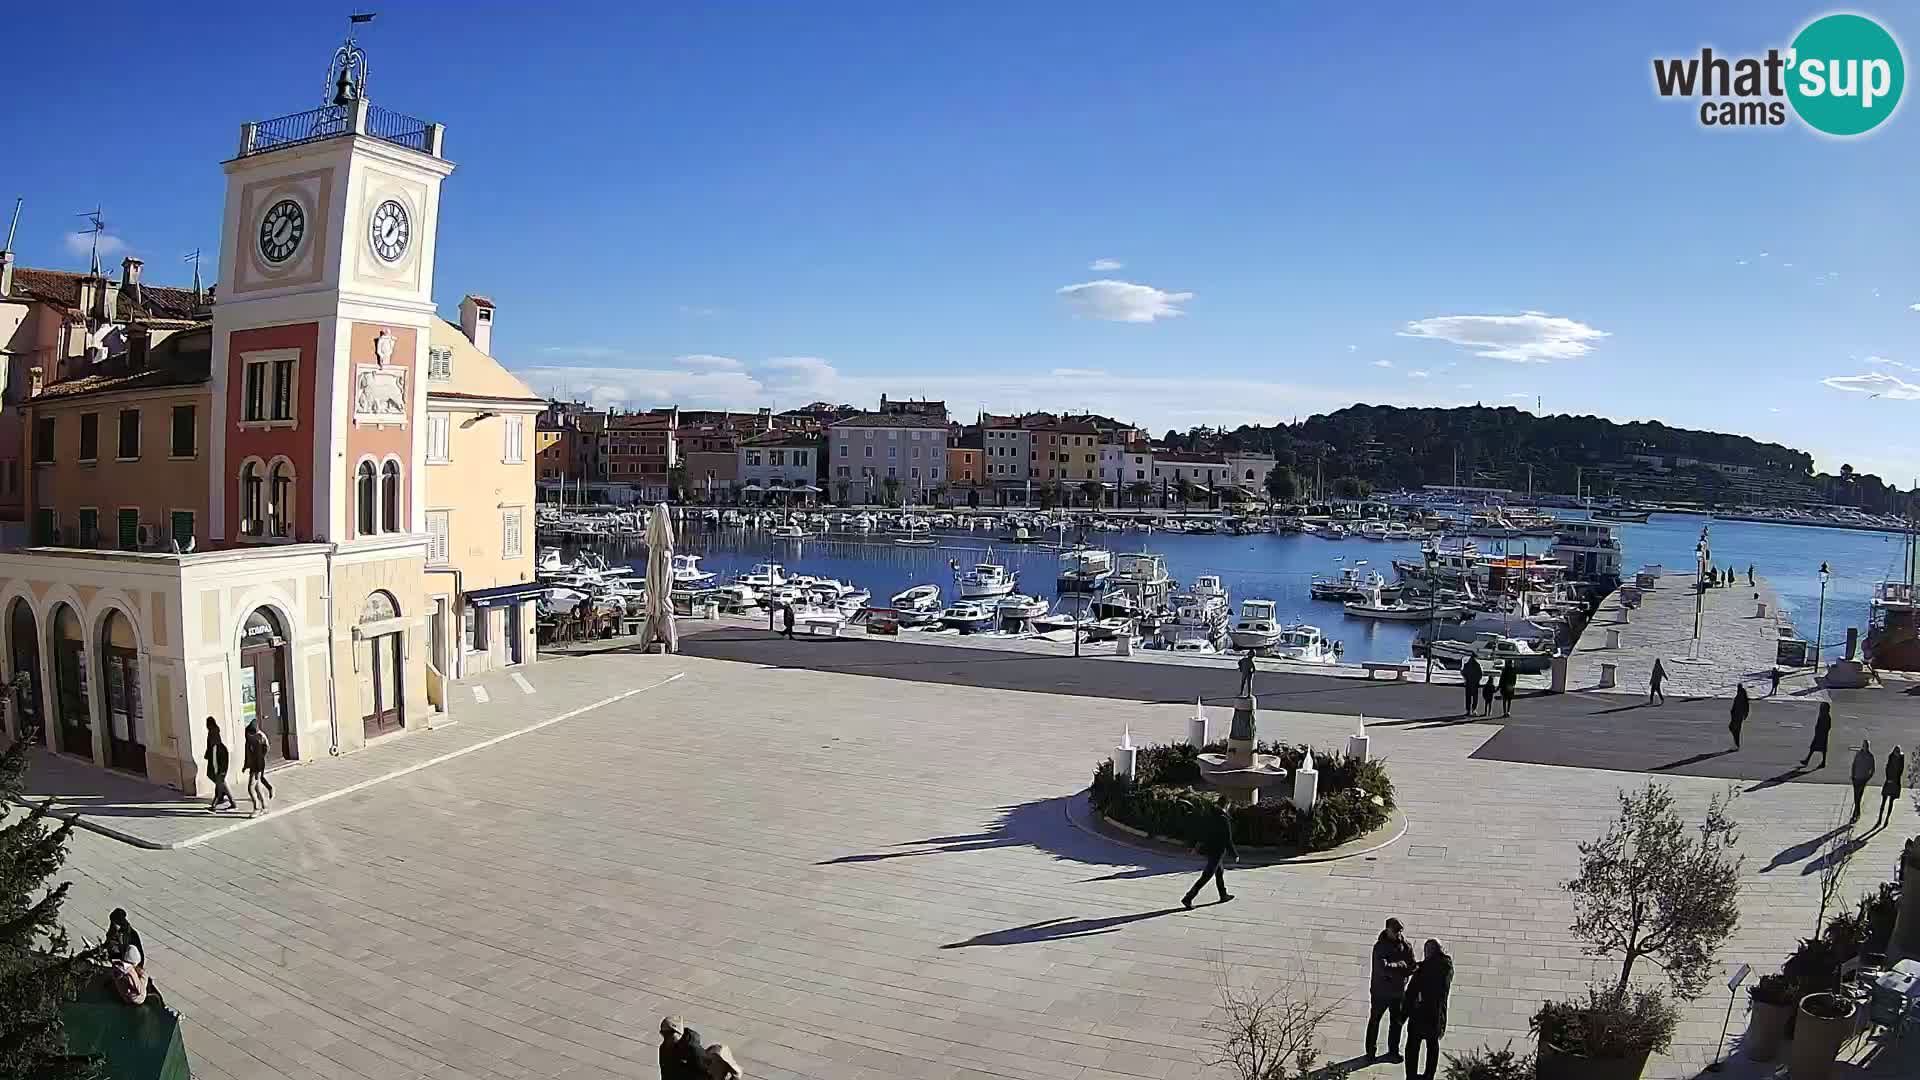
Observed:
{"x":341,"y":88}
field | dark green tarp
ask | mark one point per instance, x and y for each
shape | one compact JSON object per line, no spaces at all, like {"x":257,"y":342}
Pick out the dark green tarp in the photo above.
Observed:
{"x":138,"y":1042}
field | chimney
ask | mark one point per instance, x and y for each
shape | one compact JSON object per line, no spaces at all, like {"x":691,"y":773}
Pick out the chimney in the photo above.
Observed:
{"x":36,"y":378}
{"x":139,"y":341}
{"x":87,"y":289}
{"x":476,"y":321}
{"x":130,"y":276}
{"x":6,"y":273}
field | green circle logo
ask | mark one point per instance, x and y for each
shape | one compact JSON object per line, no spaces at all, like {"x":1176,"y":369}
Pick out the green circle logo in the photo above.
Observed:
{"x":1847,"y":74}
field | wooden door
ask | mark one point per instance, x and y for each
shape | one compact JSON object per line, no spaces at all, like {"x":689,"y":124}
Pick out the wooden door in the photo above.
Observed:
{"x":126,"y":747}
{"x":264,"y":699}
{"x":382,"y":684}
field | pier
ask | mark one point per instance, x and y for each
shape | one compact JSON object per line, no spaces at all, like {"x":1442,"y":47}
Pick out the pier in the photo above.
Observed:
{"x":1737,"y":644}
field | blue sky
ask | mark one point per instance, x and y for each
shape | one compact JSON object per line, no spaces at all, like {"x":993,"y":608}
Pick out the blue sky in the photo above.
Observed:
{"x":1307,"y":206}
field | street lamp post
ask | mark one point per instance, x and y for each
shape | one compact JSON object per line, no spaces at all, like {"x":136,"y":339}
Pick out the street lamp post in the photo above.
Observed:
{"x":1433,"y":610}
{"x":1820,"y":627}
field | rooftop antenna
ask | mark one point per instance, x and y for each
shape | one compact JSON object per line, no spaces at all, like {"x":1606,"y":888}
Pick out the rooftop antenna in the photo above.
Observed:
{"x":97,"y":225}
{"x":15,"y":223}
{"x":194,"y":258}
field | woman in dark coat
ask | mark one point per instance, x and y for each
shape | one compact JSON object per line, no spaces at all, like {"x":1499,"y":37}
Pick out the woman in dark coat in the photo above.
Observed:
{"x":1822,"y":727}
{"x":1427,"y":1009}
{"x":1509,"y":679}
{"x":1741,"y":706}
{"x":1487,"y":690}
{"x":217,"y":762}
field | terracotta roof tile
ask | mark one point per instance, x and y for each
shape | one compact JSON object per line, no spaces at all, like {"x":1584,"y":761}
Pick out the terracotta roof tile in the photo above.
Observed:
{"x":61,"y":289}
{"x":184,"y":359}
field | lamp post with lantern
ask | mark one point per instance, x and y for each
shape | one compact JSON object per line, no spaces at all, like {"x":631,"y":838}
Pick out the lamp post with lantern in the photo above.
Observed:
{"x":1820,"y":627}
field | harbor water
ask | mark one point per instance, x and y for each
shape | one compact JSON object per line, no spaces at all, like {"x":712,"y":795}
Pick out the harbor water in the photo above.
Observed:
{"x":1280,"y":567}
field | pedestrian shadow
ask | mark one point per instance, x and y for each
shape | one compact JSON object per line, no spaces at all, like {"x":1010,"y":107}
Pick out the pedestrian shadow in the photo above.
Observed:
{"x":1839,"y":855}
{"x":1058,"y":929}
{"x":1339,"y":1070}
{"x":1801,"y":850}
{"x":1041,"y":824}
{"x":1776,"y":780}
{"x":1694,"y":760}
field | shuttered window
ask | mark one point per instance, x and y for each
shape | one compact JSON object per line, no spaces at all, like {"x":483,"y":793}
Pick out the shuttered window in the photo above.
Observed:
{"x":437,"y":525}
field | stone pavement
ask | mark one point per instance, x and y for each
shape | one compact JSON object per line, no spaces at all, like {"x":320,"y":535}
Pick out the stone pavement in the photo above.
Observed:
{"x":851,"y":878}
{"x":1736,"y":644}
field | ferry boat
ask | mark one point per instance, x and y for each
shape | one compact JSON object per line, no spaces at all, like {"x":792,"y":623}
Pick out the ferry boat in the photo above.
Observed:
{"x":1588,"y":550}
{"x":1083,"y":569}
{"x":986,"y":581}
{"x":1256,"y":628}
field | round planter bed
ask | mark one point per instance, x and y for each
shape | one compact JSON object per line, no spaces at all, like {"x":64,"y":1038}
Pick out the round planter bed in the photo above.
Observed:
{"x":1561,"y":1066}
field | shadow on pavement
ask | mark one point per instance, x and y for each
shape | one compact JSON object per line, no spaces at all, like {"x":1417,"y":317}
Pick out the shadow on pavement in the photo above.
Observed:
{"x":1057,"y":929}
{"x":1041,"y":824}
{"x":1801,"y":850}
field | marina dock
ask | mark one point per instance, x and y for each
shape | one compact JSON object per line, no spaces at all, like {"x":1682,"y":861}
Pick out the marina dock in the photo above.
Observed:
{"x":1736,"y":642}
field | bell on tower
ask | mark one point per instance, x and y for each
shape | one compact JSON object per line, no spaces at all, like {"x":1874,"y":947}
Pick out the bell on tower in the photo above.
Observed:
{"x":348,"y":59}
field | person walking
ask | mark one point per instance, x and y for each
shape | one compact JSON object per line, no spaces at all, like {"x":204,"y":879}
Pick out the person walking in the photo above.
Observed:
{"x":1246,"y":674}
{"x":1392,"y":964}
{"x":1741,"y":706}
{"x":1653,"y":682}
{"x":1470,"y":678}
{"x":253,"y":762}
{"x":1427,"y":1009}
{"x":1890,"y":787}
{"x":681,"y":1053}
{"x":1774,"y":675}
{"x":1750,"y":580}
{"x":1822,"y":727}
{"x":1487,"y":690}
{"x":1509,"y":681}
{"x":1862,"y":775}
{"x":786,"y":621}
{"x":217,"y":762}
{"x":1217,"y":846}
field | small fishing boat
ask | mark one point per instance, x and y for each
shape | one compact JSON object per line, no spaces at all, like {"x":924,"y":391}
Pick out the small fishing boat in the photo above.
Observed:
{"x":687,"y":572}
{"x":1021,"y":606}
{"x":919,"y":600}
{"x":1256,"y":627}
{"x":986,"y":581}
{"x":1374,"y":607}
{"x":968,"y":616}
{"x":915,"y":541}
{"x":1083,"y":568}
{"x":763,"y":576}
{"x":1354,"y":582}
{"x":787,"y":531}
{"x":1303,"y":643}
{"x":1495,"y":648}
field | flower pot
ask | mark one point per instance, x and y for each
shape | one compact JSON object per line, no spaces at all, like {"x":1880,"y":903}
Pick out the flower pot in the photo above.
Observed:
{"x":1556,"y":1065}
{"x":1766,"y":1030}
{"x":1817,"y":1039}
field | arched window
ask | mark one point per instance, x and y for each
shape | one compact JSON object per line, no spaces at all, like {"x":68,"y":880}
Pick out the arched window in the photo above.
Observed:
{"x":390,"y":497}
{"x":250,"y":517}
{"x":280,"y":500}
{"x":365,"y":494}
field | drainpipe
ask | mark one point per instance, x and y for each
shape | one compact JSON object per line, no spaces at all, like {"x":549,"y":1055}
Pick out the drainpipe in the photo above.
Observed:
{"x":333,"y":696}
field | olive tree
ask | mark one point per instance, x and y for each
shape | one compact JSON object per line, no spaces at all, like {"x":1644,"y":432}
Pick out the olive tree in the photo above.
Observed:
{"x":1654,"y":887}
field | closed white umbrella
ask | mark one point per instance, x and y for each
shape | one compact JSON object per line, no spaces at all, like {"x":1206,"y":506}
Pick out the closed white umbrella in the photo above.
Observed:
{"x":660,"y":626}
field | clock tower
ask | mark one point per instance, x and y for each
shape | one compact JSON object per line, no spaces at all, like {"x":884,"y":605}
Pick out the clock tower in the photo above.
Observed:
{"x":321,"y":326}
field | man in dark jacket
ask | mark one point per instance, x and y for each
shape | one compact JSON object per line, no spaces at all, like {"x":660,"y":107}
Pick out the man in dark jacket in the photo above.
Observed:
{"x":786,"y":621}
{"x":1470,"y":677}
{"x":1392,"y":963}
{"x":682,"y":1057}
{"x":217,"y":762}
{"x":1218,"y":845}
{"x":1427,"y":1009}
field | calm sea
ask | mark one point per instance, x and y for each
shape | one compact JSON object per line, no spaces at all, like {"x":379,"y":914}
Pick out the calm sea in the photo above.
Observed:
{"x":1279,"y":568}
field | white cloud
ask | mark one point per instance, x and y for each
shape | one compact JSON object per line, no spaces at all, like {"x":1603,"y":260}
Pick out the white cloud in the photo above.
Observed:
{"x":1463,"y":386}
{"x":1519,"y":394}
{"x":1383,"y":363}
{"x":81,"y":243}
{"x":1763,"y":254}
{"x":1105,"y":264}
{"x":1353,"y":348}
{"x":1739,"y":262}
{"x":1913,"y":307}
{"x":1418,"y":375}
{"x":583,"y":352}
{"x":1787,"y":265}
{"x":706,"y":362}
{"x":1875,"y":384}
{"x":1528,"y":338}
{"x":1079,"y":373}
{"x":693,"y":312}
{"x":1773,"y":409}
{"x":1123,"y":301}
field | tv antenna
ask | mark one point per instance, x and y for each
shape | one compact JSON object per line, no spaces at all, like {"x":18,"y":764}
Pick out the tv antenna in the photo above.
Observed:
{"x":194,"y":258}
{"x":96,"y":226}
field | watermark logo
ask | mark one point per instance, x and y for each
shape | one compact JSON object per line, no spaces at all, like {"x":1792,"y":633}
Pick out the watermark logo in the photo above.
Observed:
{"x":1842,"y":76}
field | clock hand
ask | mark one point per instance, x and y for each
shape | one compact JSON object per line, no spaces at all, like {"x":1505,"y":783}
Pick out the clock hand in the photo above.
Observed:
{"x":281,"y":230}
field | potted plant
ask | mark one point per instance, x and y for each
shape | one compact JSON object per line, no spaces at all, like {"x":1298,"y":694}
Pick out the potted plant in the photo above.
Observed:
{"x":1825,"y":1024}
{"x":1649,"y":887}
{"x":1486,"y":1063}
{"x":1609,"y":1036}
{"x":1773,"y":999}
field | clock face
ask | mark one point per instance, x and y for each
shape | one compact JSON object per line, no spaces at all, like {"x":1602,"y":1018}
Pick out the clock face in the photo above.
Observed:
{"x":389,"y":230}
{"x":281,"y":230}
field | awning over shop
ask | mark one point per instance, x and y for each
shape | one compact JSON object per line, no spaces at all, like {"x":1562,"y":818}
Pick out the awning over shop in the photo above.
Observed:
{"x":501,"y":595}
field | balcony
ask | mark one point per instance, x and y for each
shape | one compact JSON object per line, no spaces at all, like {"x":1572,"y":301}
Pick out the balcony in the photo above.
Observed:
{"x":355,"y":118}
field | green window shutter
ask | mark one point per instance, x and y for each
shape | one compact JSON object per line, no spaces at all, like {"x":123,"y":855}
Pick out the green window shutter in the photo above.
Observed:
{"x":43,"y":526}
{"x":89,"y":528}
{"x":183,"y":528}
{"x":129,"y":530}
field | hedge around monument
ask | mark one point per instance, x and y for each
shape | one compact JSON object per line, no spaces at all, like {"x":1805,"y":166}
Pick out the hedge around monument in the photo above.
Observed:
{"x":1167,"y":798}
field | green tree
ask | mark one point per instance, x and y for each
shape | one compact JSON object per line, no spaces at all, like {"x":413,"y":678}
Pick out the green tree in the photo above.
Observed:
{"x":677,"y":483}
{"x":1282,"y":485}
{"x":1653,"y":887}
{"x":1351,"y":487}
{"x":1093,"y":491}
{"x":891,"y":485}
{"x":1141,"y":492}
{"x":1184,"y":491}
{"x":39,"y":973}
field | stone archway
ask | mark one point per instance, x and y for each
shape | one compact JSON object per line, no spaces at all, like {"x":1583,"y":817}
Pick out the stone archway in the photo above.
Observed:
{"x":28,"y":714}
{"x":73,"y":712}
{"x":266,"y":686}
{"x":120,"y":671}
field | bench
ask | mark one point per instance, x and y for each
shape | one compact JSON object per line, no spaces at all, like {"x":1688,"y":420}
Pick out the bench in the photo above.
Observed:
{"x":1399,"y":670}
{"x":812,"y":623}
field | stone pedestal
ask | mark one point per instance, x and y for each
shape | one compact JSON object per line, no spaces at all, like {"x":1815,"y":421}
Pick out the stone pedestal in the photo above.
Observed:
{"x":1197,"y":731}
{"x":1609,"y":675}
{"x":1240,"y":773}
{"x":1613,"y":639}
{"x":1123,"y":645}
{"x":1357,"y":745}
{"x":1906,"y":922}
{"x":1123,"y":760}
{"x":1306,"y":784}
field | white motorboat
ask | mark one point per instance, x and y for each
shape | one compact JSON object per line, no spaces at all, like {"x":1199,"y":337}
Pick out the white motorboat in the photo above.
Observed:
{"x":1305,"y":644}
{"x":1373,"y":530}
{"x":1374,"y":607}
{"x":915,"y":541}
{"x":787,"y":531}
{"x":1256,"y":627}
{"x":687,"y":573}
{"x":968,"y":615}
{"x":1082,"y":569}
{"x":1108,"y":629}
{"x":735,"y":597}
{"x":1495,"y":648}
{"x":1207,"y":587}
{"x":1194,"y":643}
{"x":1021,"y":606}
{"x":763,"y":576}
{"x":920,"y":598}
{"x":1355,"y":582}
{"x":986,"y":581}
{"x":863,"y":521}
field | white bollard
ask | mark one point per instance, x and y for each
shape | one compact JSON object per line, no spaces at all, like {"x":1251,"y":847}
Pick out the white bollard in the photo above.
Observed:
{"x":1609,"y":675}
{"x":1306,"y":784}
{"x":1122,"y":758}
{"x":1357,"y":746}
{"x":1123,"y":645}
{"x":1613,"y":639}
{"x":1197,"y":730}
{"x":1762,"y":613}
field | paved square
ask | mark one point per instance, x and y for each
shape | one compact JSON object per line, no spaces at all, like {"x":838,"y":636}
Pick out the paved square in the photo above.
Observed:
{"x":781,"y":854}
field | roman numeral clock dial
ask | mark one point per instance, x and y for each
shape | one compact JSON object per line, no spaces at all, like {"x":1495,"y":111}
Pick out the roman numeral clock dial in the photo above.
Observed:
{"x":389,"y":230}
{"x":281,"y":231}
